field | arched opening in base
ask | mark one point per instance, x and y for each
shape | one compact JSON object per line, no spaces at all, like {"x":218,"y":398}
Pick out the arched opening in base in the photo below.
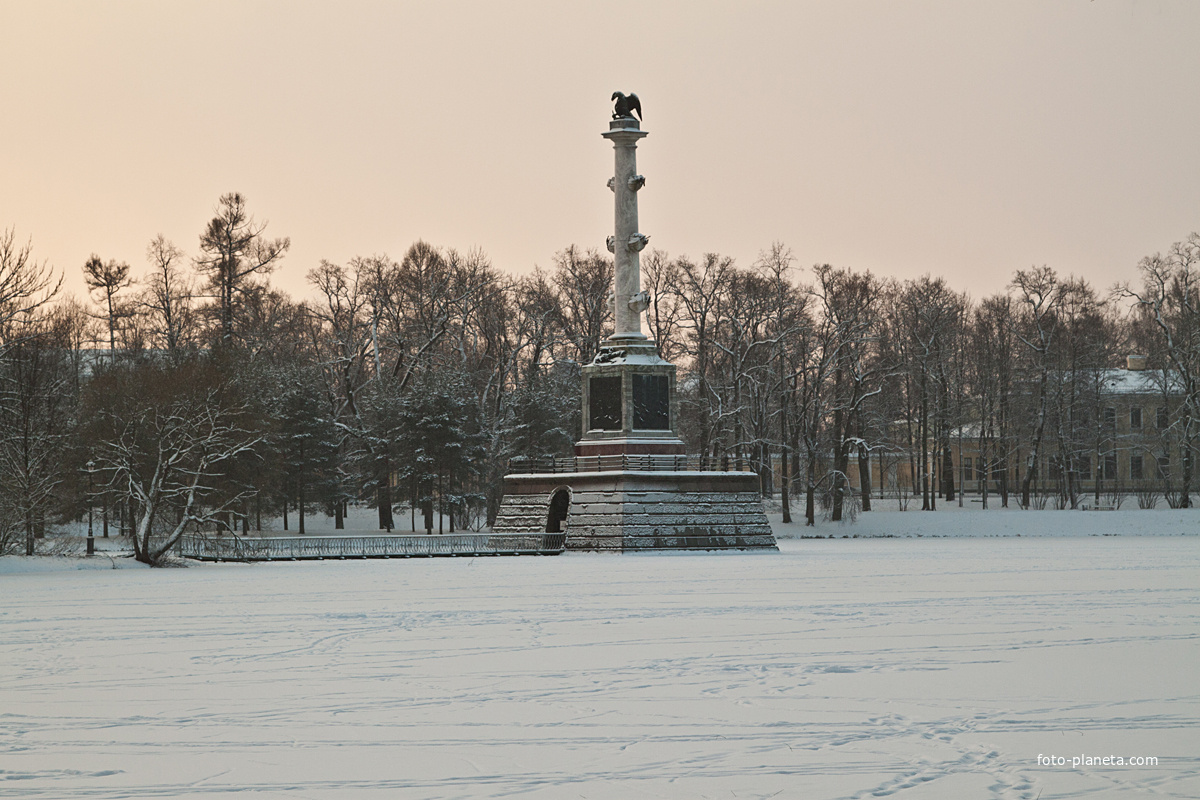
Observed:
{"x":560,"y":503}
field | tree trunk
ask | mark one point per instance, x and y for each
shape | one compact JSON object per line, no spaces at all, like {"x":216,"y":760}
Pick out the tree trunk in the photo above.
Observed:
{"x":785,"y":485}
{"x":1003,"y":465}
{"x":948,"y":471}
{"x":864,"y":464}
{"x":384,"y":495}
{"x":841,"y":458}
{"x":882,"y":473}
{"x":785,"y":475}
{"x":810,"y":493}
{"x":427,"y":503}
{"x":1035,"y":445}
{"x":923,"y":432}
{"x":737,"y":423}
{"x":1185,"y":494}
{"x":983,"y":470}
{"x":841,"y":463}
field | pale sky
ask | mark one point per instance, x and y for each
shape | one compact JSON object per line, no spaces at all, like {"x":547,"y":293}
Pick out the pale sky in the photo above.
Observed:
{"x":963,"y":139}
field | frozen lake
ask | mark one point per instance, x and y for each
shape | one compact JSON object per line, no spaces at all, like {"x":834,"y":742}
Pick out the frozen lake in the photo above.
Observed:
{"x":915,"y":668}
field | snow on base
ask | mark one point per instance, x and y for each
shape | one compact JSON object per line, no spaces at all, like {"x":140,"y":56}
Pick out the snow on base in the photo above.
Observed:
{"x":835,"y":669}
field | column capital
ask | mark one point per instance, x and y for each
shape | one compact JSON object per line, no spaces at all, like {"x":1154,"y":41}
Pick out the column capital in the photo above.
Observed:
{"x":624,"y":131}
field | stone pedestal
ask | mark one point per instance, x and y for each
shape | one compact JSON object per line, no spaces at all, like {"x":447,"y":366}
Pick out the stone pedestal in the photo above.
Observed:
{"x":629,"y":511}
{"x":629,"y":403}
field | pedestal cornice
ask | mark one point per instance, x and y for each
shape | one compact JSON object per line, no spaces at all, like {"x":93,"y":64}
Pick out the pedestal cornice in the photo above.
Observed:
{"x":625,"y":130}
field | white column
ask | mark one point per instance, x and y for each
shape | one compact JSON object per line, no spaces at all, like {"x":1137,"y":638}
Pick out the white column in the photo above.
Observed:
{"x":627,"y":241}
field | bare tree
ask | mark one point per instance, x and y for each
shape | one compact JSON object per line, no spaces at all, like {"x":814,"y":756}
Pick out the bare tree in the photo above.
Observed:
{"x":107,"y":279}
{"x":1039,"y":297}
{"x":929,"y":316}
{"x":165,"y":435}
{"x":817,"y":353}
{"x":536,"y":332}
{"x":703,"y":294}
{"x":25,"y":284}
{"x":36,"y":415}
{"x":788,"y":317}
{"x":990,"y":383}
{"x":1170,"y":297}
{"x":849,"y":303}
{"x":583,"y":281}
{"x":167,"y":295}
{"x":233,"y":250}
{"x":32,"y":422}
{"x":344,"y":338}
{"x":660,"y":277}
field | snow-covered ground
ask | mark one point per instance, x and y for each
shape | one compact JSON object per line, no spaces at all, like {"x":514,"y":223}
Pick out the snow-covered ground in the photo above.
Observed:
{"x":948,"y":520}
{"x":970,"y":521}
{"x":844,"y":668}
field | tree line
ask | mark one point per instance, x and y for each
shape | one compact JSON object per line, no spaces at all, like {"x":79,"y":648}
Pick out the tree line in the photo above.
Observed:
{"x":196,"y":395}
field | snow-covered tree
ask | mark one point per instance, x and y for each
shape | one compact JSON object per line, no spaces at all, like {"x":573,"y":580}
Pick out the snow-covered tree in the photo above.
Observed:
{"x":1169,"y":298}
{"x":164,"y":435}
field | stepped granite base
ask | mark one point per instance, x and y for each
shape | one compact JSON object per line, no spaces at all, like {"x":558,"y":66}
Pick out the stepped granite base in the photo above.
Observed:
{"x":629,"y":511}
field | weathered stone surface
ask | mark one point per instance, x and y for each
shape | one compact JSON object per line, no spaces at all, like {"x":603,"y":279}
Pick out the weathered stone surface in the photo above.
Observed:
{"x":631,"y":511}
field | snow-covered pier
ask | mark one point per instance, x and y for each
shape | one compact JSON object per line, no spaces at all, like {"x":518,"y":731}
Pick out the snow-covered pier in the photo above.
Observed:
{"x":307,"y":548}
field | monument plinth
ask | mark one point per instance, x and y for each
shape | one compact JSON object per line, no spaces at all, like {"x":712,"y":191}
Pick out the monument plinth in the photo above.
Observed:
{"x":631,"y":485}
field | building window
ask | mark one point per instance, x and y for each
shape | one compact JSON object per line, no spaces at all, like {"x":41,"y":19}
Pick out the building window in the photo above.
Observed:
{"x":1110,"y":419}
{"x":1135,"y":418}
{"x":1135,"y":468}
{"x":1110,"y":467}
{"x":1085,"y":468}
{"x":1164,"y":467}
{"x":968,"y":468}
{"x":1160,"y":418}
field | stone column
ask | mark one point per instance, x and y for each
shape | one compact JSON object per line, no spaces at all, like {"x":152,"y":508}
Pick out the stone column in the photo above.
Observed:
{"x":627,"y":242}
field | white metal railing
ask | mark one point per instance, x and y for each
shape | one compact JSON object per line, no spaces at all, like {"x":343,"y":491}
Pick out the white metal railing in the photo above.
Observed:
{"x":289,"y":548}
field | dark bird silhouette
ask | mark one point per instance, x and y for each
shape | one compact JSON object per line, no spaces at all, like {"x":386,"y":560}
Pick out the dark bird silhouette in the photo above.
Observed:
{"x":626,"y":105}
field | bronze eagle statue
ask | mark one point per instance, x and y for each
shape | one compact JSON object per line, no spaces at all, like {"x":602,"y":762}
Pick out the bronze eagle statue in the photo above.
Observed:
{"x":626,"y":105}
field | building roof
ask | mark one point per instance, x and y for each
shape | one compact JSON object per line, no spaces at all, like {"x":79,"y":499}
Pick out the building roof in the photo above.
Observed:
{"x":1139,"y":381}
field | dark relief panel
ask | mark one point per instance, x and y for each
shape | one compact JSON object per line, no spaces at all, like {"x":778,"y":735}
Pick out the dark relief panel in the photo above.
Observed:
{"x":604,"y":409}
{"x":651,"y":403}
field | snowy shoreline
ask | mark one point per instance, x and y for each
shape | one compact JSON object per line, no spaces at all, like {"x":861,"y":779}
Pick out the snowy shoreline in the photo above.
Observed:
{"x":949,"y":521}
